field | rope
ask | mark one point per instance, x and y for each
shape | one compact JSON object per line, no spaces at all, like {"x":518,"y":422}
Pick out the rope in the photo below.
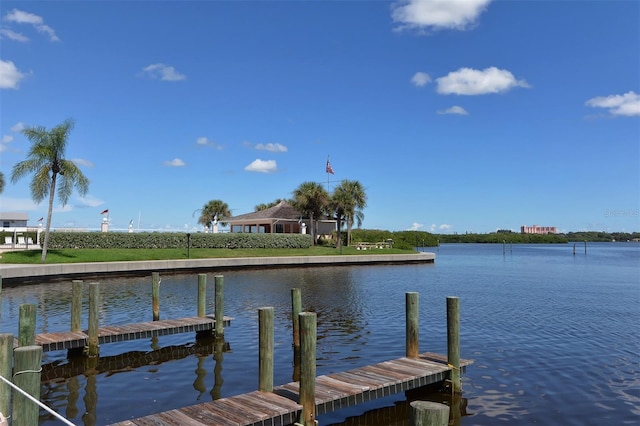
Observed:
{"x":29,"y":397}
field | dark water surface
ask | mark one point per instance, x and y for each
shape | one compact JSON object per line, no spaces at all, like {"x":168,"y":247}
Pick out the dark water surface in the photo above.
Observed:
{"x":555,"y":336}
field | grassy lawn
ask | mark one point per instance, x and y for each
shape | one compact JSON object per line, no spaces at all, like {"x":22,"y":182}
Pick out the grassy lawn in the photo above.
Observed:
{"x":115,"y":255}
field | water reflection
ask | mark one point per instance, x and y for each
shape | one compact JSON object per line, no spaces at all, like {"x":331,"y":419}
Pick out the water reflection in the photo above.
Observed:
{"x":63,"y":381}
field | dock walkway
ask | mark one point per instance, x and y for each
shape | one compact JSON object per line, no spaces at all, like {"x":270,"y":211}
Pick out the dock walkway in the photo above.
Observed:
{"x":332,"y":392}
{"x":121,"y":333}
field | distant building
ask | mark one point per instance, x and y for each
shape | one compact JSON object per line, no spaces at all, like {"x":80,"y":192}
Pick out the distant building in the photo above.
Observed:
{"x":535,"y":229}
{"x":10,"y":220}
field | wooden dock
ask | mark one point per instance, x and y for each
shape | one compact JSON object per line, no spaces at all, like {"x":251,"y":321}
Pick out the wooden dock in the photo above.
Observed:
{"x":121,"y":333}
{"x":332,"y":392}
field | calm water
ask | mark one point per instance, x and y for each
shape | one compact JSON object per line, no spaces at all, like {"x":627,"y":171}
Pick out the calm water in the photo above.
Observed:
{"x":554,"y":336}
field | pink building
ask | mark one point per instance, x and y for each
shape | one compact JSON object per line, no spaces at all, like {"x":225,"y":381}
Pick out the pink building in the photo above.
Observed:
{"x":535,"y":229}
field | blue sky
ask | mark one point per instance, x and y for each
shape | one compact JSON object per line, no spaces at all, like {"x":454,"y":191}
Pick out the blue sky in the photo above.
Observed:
{"x":456,"y":116}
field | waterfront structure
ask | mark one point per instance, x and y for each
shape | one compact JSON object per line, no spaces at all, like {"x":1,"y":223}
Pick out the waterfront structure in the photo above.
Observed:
{"x":282,"y":218}
{"x":535,"y":229}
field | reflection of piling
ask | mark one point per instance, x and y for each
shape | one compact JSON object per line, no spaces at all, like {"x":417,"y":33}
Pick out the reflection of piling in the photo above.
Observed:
{"x":90,"y":392}
{"x":308,"y":334}
{"x":428,"y":413}
{"x":219,"y":305}
{"x":155,"y":295}
{"x":216,"y":392}
{"x":412,"y":332}
{"x":27,"y":324}
{"x":73,"y":389}
{"x":27,"y":360}
{"x":453,"y":341}
{"x":201,"y":373}
{"x":265,"y":349}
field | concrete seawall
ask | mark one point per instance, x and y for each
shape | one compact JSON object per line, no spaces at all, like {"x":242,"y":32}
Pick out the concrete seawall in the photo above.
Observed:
{"x":12,"y":273}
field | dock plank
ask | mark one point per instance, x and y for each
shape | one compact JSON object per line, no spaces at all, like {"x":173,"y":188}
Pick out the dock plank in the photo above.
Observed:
{"x":123,"y":332}
{"x":333,"y":392}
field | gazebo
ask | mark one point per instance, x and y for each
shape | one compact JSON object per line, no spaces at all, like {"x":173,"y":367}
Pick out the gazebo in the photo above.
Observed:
{"x":279,"y":219}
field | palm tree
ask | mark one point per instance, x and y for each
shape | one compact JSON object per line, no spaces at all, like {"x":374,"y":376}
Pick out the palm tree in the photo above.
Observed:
{"x":214,"y":210}
{"x":1,"y":182}
{"x":311,"y":199}
{"x":355,"y":200}
{"x":264,"y":206}
{"x":339,"y":205}
{"x":46,"y":162}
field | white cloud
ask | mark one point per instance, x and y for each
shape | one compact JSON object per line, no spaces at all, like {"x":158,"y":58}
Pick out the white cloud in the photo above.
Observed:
{"x":176,"y":162}
{"x":7,"y":138}
{"x":18,"y":204}
{"x":12,"y":35}
{"x":82,"y":162}
{"x":454,"y":110}
{"x":443,"y":227}
{"x":437,"y":14}
{"x":10,"y":75}
{"x":21,"y":17}
{"x":273,"y":147}
{"x":468,"y":81}
{"x":163,"y":72}
{"x":18,"y":127}
{"x":90,"y":201}
{"x":421,"y":79}
{"x":627,"y":104}
{"x":207,"y":142}
{"x":262,"y":166}
{"x":415,"y":226}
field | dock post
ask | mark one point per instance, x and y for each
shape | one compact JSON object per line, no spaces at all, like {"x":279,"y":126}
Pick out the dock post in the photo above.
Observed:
{"x":585,"y":246}
{"x":265,"y":349}
{"x":219,"y":305}
{"x":76,"y":305}
{"x":202,"y":295}
{"x":308,"y":332}
{"x":428,"y":413}
{"x":92,"y":341}
{"x":27,"y":325}
{"x":453,"y":341}
{"x":296,"y":308}
{"x":6,"y":366}
{"x":27,"y":367}
{"x":155,"y":295}
{"x":412,"y":326}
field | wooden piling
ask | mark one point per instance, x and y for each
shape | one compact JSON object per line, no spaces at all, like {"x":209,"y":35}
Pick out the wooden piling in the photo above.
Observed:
{"x":412,"y":324}
{"x":453,"y":341}
{"x":76,"y":305}
{"x":27,"y":324}
{"x":202,"y":295}
{"x":155,"y":295}
{"x":428,"y":413}
{"x":27,"y":366}
{"x":296,"y":308}
{"x":219,"y":305}
{"x":94,"y":305}
{"x":6,"y":366}
{"x":308,"y":334}
{"x":265,"y":349}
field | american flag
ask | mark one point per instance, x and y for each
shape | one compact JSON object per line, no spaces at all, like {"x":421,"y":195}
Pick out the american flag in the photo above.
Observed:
{"x":329,"y":169}
{"x":104,"y":211}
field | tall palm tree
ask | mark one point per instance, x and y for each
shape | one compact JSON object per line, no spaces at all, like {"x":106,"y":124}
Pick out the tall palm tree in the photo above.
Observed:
{"x":214,"y":210}
{"x":339,"y":204}
{"x":47,"y":164}
{"x":354,"y":199}
{"x":311,"y":199}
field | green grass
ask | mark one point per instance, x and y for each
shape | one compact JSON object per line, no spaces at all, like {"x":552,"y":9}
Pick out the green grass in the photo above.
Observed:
{"x":115,"y":255}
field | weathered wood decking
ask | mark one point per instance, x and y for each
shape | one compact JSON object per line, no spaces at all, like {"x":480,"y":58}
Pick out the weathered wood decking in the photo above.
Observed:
{"x":121,"y":333}
{"x":333,"y":392}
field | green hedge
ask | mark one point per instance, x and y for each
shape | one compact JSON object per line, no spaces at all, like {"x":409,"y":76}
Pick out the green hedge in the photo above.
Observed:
{"x":147,"y":240}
